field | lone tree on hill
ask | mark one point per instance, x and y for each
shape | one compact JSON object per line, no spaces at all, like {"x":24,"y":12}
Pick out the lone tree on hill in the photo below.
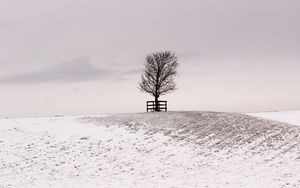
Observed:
{"x":158,"y":74}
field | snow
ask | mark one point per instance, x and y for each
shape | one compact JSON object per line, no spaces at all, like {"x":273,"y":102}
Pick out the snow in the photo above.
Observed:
{"x":174,"y":149}
{"x":291,"y":117}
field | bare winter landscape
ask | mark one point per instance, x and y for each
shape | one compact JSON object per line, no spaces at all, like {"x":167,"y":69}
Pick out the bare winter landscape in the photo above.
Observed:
{"x":149,"y":94}
{"x":172,"y":149}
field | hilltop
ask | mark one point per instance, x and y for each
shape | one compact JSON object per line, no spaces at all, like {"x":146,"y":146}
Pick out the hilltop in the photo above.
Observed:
{"x":172,"y":149}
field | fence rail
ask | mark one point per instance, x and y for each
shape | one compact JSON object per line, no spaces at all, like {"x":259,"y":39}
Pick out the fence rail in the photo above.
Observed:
{"x":161,"y":106}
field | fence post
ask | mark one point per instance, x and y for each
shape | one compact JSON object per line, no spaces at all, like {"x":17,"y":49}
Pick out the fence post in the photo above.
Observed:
{"x":161,"y":105}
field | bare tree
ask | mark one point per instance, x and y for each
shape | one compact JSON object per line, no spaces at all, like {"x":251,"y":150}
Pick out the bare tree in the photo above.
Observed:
{"x":158,"y":75}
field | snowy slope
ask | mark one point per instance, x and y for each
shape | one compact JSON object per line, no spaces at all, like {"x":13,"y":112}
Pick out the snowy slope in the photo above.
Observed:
{"x":174,"y":149}
{"x":292,"y":117}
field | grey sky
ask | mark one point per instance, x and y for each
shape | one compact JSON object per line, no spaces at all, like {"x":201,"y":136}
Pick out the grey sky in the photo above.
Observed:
{"x":77,"y":70}
{"x":234,"y":55}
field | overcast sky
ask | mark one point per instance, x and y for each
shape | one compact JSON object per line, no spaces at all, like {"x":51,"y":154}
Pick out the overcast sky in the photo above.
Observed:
{"x":86,"y":56}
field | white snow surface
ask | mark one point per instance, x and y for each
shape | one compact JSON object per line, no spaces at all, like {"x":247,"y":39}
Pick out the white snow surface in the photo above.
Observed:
{"x":173,"y":149}
{"x":291,"y":117}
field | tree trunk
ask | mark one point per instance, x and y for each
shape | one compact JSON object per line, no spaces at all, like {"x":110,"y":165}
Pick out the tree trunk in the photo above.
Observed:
{"x":156,"y":104}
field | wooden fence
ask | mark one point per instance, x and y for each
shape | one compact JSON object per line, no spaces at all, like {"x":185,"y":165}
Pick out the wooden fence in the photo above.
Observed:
{"x":161,"y":106}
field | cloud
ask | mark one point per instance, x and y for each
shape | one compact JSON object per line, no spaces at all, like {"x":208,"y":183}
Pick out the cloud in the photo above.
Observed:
{"x":77,"y":70}
{"x":9,"y":23}
{"x":132,"y":72}
{"x":189,"y":54}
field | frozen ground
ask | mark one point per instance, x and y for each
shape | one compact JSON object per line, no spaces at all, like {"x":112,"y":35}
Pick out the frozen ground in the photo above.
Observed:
{"x":174,"y":149}
{"x":291,"y":117}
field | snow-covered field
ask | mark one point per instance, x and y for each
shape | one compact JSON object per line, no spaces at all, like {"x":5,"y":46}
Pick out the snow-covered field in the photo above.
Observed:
{"x":291,"y":117}
{"x":173,"y":149}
